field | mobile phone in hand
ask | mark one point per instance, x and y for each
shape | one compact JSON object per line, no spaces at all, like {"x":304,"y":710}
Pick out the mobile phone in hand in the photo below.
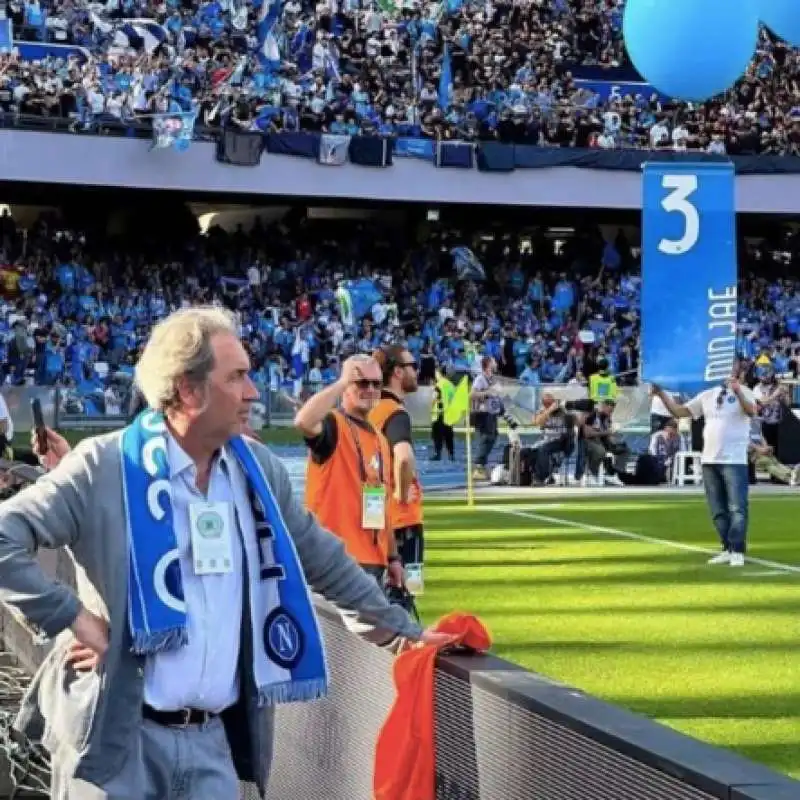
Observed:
{"x":38,"y":425}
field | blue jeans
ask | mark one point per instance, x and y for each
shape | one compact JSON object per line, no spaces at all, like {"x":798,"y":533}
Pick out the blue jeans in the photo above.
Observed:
{"x":727,"y":487}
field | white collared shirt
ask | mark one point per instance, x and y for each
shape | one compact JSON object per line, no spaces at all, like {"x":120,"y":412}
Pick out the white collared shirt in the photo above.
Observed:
{"x":203,"y":674}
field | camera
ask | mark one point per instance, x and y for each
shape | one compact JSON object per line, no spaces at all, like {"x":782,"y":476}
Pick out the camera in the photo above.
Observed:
{"x":584,"y":406}
{"x":400,"y":596}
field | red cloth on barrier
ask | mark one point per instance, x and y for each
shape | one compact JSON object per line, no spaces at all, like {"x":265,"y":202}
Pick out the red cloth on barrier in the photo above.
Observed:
{"x":405,"y":754}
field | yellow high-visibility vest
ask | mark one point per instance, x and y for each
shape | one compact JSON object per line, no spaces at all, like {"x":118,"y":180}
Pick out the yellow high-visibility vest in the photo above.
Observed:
{"x":442,"y":398}
{"x":602,"y":387}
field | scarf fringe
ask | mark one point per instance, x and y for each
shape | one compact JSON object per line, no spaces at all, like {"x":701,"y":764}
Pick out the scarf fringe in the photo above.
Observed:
{"x":293,"y":692}
{"x":148,"y":644}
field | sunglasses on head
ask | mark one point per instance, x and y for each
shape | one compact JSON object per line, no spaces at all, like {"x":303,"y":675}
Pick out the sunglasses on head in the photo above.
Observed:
{"x":365,"y":383}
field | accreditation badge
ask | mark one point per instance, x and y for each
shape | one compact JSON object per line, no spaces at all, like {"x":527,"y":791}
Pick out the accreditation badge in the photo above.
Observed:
{"x":373,"y":508}
{"x":210,"y":525}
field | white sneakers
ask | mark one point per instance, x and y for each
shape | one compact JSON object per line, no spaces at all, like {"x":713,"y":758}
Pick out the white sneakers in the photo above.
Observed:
{"x":721,"y":558}
{"x":726,"y":557}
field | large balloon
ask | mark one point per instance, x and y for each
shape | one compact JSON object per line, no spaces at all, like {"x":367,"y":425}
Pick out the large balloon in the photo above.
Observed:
{"x":782,"y":17}
{"x":691,"y":49}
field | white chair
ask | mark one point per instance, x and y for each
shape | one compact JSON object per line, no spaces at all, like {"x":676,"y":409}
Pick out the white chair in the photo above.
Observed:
{"x":680,"y":474}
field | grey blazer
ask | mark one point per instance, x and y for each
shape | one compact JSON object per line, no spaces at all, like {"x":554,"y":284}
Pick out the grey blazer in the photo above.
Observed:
{"x":90,"y":720}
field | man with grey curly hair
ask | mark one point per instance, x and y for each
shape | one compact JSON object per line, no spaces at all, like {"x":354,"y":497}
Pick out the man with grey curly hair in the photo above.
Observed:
{"x":192,"y":617}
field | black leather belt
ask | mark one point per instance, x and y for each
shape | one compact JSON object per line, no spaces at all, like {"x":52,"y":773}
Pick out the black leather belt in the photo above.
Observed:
{"x":177,"y":719}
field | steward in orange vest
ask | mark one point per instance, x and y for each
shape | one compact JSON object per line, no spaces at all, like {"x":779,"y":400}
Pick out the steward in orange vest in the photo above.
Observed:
{"x":391,"y":418}
{"x":348,"y":469}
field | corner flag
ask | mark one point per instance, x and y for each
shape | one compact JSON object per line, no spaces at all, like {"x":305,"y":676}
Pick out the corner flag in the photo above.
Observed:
{"x":459,"y":405}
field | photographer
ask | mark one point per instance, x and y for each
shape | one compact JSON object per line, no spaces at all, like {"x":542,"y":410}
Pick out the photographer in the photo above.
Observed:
{"x":557,"y":436}
{"x":487,"y":408}
{"x":771,"y":399}
{"x":600,"y":442}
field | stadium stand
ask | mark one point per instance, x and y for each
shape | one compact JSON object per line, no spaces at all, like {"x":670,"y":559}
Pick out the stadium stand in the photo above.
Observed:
{"x":71,"y":301}
{"x":537,"y":73}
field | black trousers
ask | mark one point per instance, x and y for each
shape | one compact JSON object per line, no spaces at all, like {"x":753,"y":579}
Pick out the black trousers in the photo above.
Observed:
{"x":411,"y":544}
{"x":442,"y":437}
{"x":770,"y":432}
{"x":543,"y":465}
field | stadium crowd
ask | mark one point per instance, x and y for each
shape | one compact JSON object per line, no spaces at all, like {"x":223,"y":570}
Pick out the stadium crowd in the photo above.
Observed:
{"x":547,"y":313}
{"x":376,"y":68}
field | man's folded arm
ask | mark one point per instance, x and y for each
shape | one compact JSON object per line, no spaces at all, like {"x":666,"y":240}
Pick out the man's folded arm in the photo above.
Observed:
{"x":47,"y":514}
{"x":332,"y":573}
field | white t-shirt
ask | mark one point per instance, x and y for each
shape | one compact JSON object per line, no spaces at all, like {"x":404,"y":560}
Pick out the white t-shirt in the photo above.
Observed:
{"x":727,"y":429}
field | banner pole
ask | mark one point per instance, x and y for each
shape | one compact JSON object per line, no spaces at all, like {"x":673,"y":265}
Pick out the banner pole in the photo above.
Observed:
{"x":470,"y":487}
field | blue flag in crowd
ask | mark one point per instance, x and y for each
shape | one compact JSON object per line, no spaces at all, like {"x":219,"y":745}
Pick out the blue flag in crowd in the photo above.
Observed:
{"x":466,"y":265}
{"x":445,"y":80}
{"x":268,"y":51}
{"x":139,"y":34}
{"x":364,"y":293}
{"x":300,"y":48}
{"x":6,"y":36}
{"x":173,"y":130}
{"x":689,"y":275}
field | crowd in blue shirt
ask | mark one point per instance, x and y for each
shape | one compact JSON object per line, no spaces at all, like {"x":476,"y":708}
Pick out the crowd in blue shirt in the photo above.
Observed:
{"x":76,"y":308}
{"x":457,"y":69}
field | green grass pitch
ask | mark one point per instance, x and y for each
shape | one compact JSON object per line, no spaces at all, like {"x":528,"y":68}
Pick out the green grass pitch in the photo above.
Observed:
{"x":614,"y":596}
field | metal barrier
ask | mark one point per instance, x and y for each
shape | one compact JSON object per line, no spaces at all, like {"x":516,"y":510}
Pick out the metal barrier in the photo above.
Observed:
{"x":278,"y":408}
{"x":502,"y":733}
{"x":633,"y":403}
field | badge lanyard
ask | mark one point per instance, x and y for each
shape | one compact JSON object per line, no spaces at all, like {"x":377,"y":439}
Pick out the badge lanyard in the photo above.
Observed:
{"x":366,"y":489}
{"x":362,"y":468}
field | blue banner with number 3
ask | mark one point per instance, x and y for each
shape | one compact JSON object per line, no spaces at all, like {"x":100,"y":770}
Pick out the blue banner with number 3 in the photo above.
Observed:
{"x":689,"y":275}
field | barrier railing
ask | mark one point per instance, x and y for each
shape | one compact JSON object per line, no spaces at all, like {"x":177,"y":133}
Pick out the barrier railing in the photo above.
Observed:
{"x":278,"y":408}
{"x":632,"y":412}
{"x":502,"y":733}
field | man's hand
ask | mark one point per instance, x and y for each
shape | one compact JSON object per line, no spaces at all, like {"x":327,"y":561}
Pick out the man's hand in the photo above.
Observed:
{"x":57,"y":448}
{"x":351,"y":371}
{"x":395,"y":574}
{"x":429,"y":638}
{"x":734,"y":385}
{"x":413,"y":495}
{"x":91,"y":641}
{"x":434,"y":638}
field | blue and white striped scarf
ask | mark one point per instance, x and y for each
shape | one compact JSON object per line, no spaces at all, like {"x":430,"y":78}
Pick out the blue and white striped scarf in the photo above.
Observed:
{"x":288,"y":651}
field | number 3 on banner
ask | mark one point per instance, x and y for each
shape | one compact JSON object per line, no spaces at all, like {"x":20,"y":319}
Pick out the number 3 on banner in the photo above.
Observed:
{"x":682,"y":186}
